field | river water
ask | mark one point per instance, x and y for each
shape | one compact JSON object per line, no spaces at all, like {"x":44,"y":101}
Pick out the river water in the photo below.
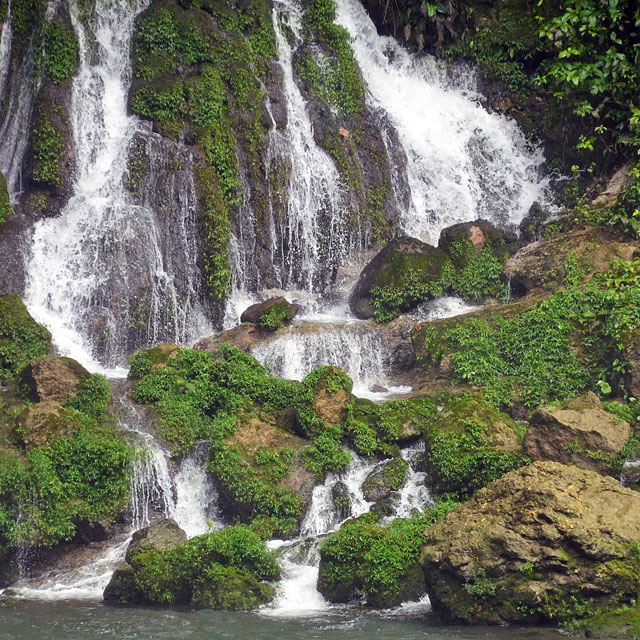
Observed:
{"x":24,"y":620}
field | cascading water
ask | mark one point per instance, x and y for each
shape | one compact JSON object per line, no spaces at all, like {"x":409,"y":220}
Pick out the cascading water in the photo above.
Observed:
{"x":5,"y":49}
{"x":103,"y":274}
{"x":463,"y":163}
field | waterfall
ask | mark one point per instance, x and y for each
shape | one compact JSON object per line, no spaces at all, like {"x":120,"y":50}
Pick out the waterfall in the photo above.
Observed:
{"x":5,"y":49}
{"x":109,"y":275}
{"x":463,"y":163}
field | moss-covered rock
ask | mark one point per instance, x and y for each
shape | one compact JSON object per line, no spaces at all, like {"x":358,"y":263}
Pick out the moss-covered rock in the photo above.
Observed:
{"x":465,"y":241}
{"x":270,"y":314}
{"x":220,"y":570}
{"x":21,"y":338}
{"x":470,"y":445}
{"x":379,"y":565}
{"x":580,"y":432}
{"x":54,"y":379}
{"x":547,"y":542}
{"x":404,"y":273}
{"x":384,"y":479}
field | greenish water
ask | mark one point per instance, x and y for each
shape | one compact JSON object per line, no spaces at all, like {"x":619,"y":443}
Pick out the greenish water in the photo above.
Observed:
{"x":28,"y":620}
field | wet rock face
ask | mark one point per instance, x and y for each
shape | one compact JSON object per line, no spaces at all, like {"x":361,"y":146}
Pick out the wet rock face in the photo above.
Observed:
{"x":580,"y":432}
{"x":547,"y":542}
{"x":631,"y":353}
{"x":392,"y":266}
{"x":384,"y":479}
{"x":270,"y":314}
{"x":341,"y":500}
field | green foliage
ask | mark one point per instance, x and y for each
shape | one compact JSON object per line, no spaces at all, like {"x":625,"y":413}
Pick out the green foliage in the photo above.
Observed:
{"x":597,"y":67}
{"x":5,"y":202}
{"x":481,"y":586}
{"x":47,"y":152}
{"x":326,"y":454}
{"x":92,"y":398}
{"x":377,"y":563}
{"x":332,"y":73}
{"x":275,"y":316}
{"x":624,"y":216}
{"x":462,"y":463}
{"x":558,"y":349}
{"x":59,"y":55}
{"x":21,"y":338}
{"x":220,"y":570}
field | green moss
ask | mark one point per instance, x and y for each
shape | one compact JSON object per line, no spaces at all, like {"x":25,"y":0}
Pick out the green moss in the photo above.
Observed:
{"x":21,"y":338}
{"x":219,"y":570}
{"x":377,"y":563}
{"x":5,"y":202}
{"x":619,"y":623}
{"x":276,"y":315}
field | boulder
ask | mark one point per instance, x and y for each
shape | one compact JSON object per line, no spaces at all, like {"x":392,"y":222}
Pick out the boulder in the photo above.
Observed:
{"x":341,"y":500}
{"x":580,"y":432}
{"x":122,"y":588}
{"x":547,"y":542}
{"x":270,"y":314}
{"x":385,"y":478}
{"x":41,"y":422}
{"x":395,"y":266}
{"x":244,"y":336}
{"x":160,"y":535}
{"x":531,"y":225}
{"x":332,"y":393}
{"x":54,"y":379}
{"x":479,"y":234}
{"x":616,"y":185}
{"x":542,"y":266}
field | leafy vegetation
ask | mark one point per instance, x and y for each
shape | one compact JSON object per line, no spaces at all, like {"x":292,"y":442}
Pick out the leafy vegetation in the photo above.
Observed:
{"x":560,"y":348}
{"x":219,"y":570}
{"x":5,"y":202}
{"x":58,"y":58}
{"x":79,"y":476}
{"x":364,"y":560}
{"x":21,"y":338}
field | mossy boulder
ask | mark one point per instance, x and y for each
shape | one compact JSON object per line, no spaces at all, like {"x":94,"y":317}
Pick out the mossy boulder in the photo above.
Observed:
{"x":631,"y":354}
{"x":620,"y":623}
{"x":464,"y":241}
{"x":270,"y":314}
{"x":220,"y":570}
{"x":54,"y":379}
{"x":580,"y":432}
{"x":544,"y":265}
{"x":404,"y":264}
{"x":39,"y":423}
{"x":545,"y":543}
{"x":21,"y":338}
{"x":147,"y":360}
{"x":331,"y":388}
{"x":470,"y":445}
{"x":387,"y":477}
{"x":341,"y":500}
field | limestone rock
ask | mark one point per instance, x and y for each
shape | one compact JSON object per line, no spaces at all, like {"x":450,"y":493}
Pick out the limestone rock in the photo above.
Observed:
{"x":531,"y":225}
{"x":545,"y":542}
{"x":619,"y":181}
{"x":580,"y":432}
{"x":244,"y":336}
{"x":270,"y":314}
{"x":54,"y":379}
{"x":392,"y":266}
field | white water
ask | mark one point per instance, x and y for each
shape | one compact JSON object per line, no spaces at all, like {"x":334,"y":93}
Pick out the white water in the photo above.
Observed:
{"x":463,"y":163}
{"x":5,"y":49}
{"x":101,"y":261}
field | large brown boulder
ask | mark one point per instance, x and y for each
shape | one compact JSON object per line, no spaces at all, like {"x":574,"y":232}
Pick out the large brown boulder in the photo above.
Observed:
{"x":399,"y":262}
{"x":547,"y":542}
{"x":39,"y":423}
{"x":54,"y":379}
{"x":579,"y":432}
{"x":244,"y":336}
{"x":477,"y":235}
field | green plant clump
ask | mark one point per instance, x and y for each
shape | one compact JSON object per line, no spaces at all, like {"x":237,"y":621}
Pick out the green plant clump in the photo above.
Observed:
{"x":364,"y":560}
{"x":21,"y":338}
{"x":79,"y":476}
{"x":219,"y":570}
{"x":59,"y":57}
{"x":5,"y":201}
